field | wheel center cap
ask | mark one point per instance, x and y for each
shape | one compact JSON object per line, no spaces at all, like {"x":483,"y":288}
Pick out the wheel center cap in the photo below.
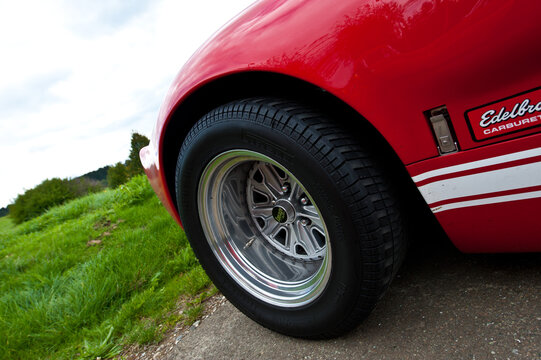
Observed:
{"x":283,"y":211}
{"x":279,"y":214}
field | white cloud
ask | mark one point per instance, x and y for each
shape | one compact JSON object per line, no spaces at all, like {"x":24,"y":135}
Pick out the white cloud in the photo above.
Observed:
{"x":77,"y":78}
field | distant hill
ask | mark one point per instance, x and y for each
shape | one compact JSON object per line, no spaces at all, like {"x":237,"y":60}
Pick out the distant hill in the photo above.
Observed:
{"x":99,"y":175}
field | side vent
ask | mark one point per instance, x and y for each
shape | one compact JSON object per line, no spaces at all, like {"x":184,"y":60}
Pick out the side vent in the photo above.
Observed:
{"x":441,"y":125}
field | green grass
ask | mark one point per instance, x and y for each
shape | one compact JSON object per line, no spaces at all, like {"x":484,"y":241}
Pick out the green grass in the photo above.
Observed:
{"x":63,"y":296}
{"x":5,"y":225}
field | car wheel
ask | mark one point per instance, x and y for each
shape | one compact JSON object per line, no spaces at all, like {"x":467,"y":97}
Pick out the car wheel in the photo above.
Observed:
{"x":290,"y":217}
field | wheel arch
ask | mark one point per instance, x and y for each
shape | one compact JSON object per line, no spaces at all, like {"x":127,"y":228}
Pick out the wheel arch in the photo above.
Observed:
{"x":268,"y":84}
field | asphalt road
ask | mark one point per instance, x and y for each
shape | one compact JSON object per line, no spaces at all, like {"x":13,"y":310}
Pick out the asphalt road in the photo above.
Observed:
{"x":442,"y":305}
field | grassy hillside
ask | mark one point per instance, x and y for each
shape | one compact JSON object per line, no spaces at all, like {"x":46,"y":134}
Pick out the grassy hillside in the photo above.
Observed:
{"x":5,"y":225}
{"x":99,"y":272}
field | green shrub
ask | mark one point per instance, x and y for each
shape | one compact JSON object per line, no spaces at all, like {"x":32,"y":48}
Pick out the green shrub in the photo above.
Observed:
{"x":36,"y":201}
{"x":50,"y":193}
{"x":82,"y":186}
{"x":117,"y":175}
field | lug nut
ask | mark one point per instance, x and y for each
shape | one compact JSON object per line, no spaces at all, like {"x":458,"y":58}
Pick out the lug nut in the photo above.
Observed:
{"x":304,"y":201}
{"x":305,"y":222}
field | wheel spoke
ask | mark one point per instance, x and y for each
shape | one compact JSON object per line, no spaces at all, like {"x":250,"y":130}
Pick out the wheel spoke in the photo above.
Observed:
{"x":265,"y":189}
{"x":271,"y":228}
{"x":263,"y":211}
{"x":271,"y":181}
{"x":292,"y":238}
{"x":296,"y":192}
{"x":310,"y":242}
{"x":305,"y":239}
{"x":310,"y":212}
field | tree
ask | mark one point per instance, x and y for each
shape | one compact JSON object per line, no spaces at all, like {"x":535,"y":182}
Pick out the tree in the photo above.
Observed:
{"x":120,"y":173}
{"x":133,"y":164}
{"x":117,"y":175}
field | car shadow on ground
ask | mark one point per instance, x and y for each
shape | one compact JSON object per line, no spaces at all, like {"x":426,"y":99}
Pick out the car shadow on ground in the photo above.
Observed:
{"x":447,"y":302}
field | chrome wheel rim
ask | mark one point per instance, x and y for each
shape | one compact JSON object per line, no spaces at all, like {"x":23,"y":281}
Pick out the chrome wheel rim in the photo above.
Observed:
{"x":264,"y":228}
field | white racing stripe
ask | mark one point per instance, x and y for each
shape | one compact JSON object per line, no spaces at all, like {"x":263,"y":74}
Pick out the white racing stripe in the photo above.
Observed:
{"x":478,"y":164}
{"x":487,"y":201}
{"x":516,"y":177}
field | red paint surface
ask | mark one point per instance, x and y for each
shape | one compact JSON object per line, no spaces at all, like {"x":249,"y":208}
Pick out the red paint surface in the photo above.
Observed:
{"x":475,"y":229}
{"x":157,"y":180}
{"x":390,"y":60}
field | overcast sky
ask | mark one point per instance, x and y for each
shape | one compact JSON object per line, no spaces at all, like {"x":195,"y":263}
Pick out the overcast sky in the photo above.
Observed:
{"x":77,"y":77}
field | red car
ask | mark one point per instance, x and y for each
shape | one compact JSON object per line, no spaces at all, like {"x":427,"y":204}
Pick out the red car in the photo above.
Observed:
{"x":299,"y":144}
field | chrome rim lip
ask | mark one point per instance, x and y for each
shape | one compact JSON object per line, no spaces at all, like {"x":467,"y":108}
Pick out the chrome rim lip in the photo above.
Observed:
{"x":236,"y":260}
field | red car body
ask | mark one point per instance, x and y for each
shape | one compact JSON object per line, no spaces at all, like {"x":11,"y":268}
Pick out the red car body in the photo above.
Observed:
{"x":392,"y":61}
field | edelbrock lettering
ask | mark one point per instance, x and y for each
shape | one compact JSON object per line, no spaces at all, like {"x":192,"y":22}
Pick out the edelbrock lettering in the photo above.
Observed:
{"x":520,"y":109}
{"x":517,"y":124}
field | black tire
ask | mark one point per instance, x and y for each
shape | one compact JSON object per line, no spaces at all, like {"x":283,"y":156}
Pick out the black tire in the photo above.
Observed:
{"x":362,"y":244}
